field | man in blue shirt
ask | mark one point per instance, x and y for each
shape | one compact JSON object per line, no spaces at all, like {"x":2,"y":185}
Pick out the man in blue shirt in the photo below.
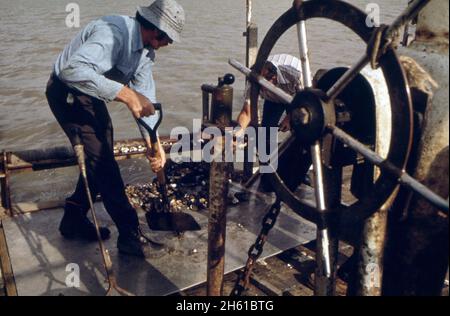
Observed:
{"x":110,"y":59}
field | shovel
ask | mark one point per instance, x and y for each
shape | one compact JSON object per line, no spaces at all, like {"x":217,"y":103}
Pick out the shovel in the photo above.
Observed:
{"x":159,"y":217}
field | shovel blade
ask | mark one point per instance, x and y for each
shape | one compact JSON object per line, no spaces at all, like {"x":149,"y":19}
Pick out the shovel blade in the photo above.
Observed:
{"x":184,"y":222}
{"x":166,"y":221}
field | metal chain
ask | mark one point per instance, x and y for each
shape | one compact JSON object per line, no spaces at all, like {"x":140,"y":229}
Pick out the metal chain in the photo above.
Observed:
{"x":256,"y":249}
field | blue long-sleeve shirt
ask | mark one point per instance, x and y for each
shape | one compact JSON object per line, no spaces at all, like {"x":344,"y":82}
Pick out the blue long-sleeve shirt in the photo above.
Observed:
{"x":106,"y":55}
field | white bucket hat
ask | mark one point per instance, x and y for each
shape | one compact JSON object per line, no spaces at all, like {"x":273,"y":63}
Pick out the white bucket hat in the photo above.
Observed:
{"x":166,"y":15}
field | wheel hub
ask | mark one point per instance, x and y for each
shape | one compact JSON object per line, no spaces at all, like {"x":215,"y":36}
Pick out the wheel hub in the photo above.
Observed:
{"x":310,"y":115}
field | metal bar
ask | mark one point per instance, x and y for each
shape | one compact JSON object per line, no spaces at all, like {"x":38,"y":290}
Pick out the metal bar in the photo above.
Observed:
{"x":4,"y":183}
{"x":369,"y":273}
{"x":250,"y":58}
{"x":405,"y":17}
{"x":112,"y":283}
{"x":347,"y":77}
{"x":303,"y":47}
{"x":248,"y":12}
{"x":218,"y":192}
{"x":423,"y":191}
{"x":392,"y":31}
{"x":5,"y":265}
{"x":3,"y":167}
{"x":286,"y":98}
{"x":403,"y":178}
{"x":332,"y":180}
{"x":252,"y":44}
{"x":63,"y":156}
{"x":323,"y":243}
{"x":218,"y":188}
{"x":79,"y":151}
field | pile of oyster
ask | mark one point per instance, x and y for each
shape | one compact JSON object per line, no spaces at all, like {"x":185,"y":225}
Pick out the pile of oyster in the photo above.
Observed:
{"x":187,"y":187}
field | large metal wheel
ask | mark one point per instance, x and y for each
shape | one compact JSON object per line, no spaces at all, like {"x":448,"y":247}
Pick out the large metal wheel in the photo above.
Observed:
{"x":326,"y":117}
{"x":323,"y":109}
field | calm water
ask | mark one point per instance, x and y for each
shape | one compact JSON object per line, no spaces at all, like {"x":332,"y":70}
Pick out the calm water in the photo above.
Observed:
{"x":33,"y":32}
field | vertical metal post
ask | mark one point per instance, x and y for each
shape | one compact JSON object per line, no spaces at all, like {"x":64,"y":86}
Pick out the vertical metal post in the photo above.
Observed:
{"x":218,"y":188}
{"x":251,"y":34}
{"x":4,"y":183}
{"x":303,"y":47}
{"x":252,"y":45}
{"x":327,"y":184}
{"x":251,"y":51}
{"x":370,"y":252}
{"x":332,"y":177}
{"x":369,"y":269}
{"x":218,"y":193}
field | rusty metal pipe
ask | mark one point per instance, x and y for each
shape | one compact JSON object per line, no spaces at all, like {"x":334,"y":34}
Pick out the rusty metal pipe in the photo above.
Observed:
{"x":369,"y":270}
{"x":218,"y":188}
{"x":221,"y":111}
{"x":63,"y":156}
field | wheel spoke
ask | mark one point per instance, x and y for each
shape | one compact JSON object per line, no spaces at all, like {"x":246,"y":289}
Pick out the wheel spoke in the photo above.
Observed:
{"x":347,"y":77}
{"x":257,"y":78}
{"x":403,"y":178}
{"x":304,"y":56}
{"x":323,"y":242}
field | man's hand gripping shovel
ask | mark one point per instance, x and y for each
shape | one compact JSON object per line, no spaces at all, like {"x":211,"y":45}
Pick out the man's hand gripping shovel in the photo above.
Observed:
{"x":162,"y":218}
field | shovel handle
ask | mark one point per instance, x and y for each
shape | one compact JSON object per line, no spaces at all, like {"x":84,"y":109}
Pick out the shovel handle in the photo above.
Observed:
{"x":156,"y":151}
{"x":160,"y":175}
{"x":152,"y":131}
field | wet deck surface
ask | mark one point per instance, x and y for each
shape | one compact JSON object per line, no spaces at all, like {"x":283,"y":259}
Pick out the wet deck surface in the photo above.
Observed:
{"x":40,"y":255}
